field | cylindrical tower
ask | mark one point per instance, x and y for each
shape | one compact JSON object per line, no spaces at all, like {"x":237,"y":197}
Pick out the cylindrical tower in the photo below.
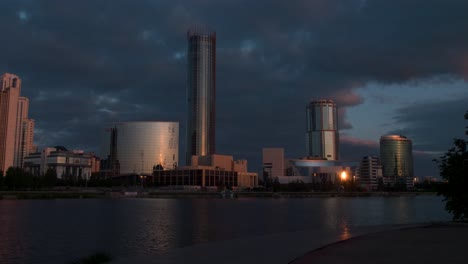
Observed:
{"x":140,"y":146}
{"x":396,"y":157}
{"x":201,"y":94}
{"x":322,"y":130}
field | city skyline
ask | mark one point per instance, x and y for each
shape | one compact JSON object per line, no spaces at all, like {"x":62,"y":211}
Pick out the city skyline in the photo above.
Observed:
{"x":265,"y":74}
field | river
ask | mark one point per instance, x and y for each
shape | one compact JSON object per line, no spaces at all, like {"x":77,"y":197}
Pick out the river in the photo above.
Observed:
{"x":60,"y":231}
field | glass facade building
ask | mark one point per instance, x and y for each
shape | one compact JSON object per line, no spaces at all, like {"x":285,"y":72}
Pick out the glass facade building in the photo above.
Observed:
{"x":201,"y":64}
{"x":396,"y":157}
{"x":322,"y":130}
{"x":137,"y":147}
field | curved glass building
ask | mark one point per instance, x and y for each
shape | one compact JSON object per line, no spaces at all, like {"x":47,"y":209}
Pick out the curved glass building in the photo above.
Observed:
{"x":322,"y":130}
{"x":201,"y":63}
{"x":396,"y":157}
{"x":140,"y":146}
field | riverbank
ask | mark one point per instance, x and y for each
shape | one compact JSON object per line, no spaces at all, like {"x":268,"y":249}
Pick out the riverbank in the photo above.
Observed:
{"x":93,"y":193}
{"x":436,"y":243}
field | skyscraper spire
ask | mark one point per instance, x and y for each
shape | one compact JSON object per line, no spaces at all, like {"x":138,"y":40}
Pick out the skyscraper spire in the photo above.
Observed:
{"x":201,"y":93}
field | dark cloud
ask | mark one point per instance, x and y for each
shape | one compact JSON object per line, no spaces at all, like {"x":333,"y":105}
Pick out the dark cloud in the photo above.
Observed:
{"x":433,"y":125}
{"x":86,"y":63}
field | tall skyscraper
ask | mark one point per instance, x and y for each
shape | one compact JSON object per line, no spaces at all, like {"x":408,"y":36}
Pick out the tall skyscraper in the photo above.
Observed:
{"x":396,"y":157}
{"x":201,"y":94}
{"x":16,"y":129}
{"x":322,"y":130}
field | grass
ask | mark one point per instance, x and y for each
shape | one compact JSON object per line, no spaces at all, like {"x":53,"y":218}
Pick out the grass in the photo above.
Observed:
{"x":95,"y":258}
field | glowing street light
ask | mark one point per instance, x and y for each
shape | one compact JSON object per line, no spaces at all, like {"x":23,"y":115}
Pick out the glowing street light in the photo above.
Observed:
{"x":344,"y":175}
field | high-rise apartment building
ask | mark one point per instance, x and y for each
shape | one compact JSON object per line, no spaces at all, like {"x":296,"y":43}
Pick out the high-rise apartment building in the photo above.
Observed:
{"x":201,"y":66}
{"x":396,"y":157}
{"x":16,"y":129}
{"x":322,"y":130}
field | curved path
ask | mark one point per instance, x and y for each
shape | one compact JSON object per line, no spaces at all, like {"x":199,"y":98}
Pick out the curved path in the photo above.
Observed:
{"x":436,"y":243}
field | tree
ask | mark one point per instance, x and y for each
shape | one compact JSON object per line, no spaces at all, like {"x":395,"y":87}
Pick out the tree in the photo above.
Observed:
{"x":50,"y":178}
{"x":454,"y":170}
{"x":11,"y":178}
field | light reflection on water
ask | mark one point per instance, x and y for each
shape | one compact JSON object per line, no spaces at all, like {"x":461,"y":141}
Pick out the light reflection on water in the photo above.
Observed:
{"x":44,"y":231}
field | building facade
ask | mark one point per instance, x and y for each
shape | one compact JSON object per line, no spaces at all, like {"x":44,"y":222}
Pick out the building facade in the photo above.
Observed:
{"x":322,"y":130}
{"x":396,"y":157}
{"x":319,"y":170}
{"x":273,"y":163}
{"x":137,"y":147}
{"x":209,"y":172}
{"x":370,"y":173}
{"x":307,"y":170}
{"x":16,"y":129}
{"x":71,"y":165}
{"x":201,"y":94}
{"x":214,"y":172}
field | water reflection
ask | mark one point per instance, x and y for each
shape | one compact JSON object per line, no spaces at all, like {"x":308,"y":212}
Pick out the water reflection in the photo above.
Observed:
{"x":345,"y":234}
{"x":59,"y":231}
{"x":12,"y":244}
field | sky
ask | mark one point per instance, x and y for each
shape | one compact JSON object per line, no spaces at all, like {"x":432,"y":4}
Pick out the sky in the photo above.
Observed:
{"x":393,"y":67}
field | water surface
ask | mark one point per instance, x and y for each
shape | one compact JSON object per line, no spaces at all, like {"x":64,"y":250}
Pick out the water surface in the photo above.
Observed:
{"x":59,"y":231}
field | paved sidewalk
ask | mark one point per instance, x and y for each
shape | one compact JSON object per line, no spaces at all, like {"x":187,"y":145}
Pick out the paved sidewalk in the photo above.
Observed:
{"x":438,"y":244}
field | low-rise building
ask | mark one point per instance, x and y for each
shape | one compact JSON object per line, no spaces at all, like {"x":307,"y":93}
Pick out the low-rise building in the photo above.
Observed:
{"x":67,"y":164}
{"x":307,"y":169}
{"x":370,"y":173}
{"x":209,"y":172}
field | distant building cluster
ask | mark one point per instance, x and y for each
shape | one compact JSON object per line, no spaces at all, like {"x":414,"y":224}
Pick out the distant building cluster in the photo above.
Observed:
{"x":147,"y":152}
{"x":322,"y":165}
{"x":17,"y":148}
{"x":394,"y":167}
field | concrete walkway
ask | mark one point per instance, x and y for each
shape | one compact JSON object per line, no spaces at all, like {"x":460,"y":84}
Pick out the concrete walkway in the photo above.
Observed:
{"x":437,"y":243}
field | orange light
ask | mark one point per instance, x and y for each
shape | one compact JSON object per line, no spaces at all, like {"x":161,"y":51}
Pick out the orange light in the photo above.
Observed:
{"x":344,"y":175}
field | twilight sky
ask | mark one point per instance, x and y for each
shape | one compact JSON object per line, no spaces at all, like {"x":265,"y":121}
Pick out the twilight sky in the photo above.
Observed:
{"x":395,"y":66}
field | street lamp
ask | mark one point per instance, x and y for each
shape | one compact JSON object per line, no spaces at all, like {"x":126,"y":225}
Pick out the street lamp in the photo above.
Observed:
{"x":142,"y":178}
{"x":344,"y":175}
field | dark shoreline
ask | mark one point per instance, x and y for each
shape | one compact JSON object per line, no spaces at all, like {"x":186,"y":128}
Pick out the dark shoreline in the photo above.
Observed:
{"x":93,"y":194}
